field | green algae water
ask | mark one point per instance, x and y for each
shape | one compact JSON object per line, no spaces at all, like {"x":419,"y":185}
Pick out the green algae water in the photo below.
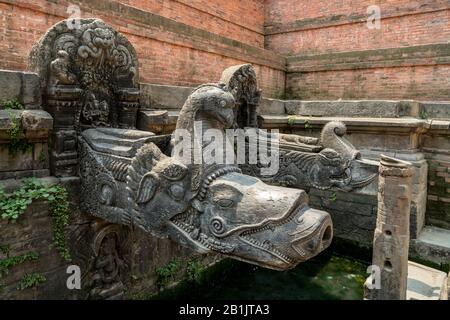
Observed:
{"x":326,"y":277}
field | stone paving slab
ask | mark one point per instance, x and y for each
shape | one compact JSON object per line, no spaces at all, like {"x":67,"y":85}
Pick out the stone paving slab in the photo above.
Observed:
{"x":426,"y":283}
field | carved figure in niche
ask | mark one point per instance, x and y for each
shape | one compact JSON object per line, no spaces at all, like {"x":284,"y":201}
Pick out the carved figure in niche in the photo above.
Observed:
{"x":106,"y":281}
{"x":96,"y":112}
{"x":89,"y":78}
{"x":223,"y":210}
{"x":60,"y":74}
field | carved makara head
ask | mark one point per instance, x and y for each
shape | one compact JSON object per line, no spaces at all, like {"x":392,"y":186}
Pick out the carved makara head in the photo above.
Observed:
{"x":244,"y":218}
{"x":330,"y":170}
{"x":209,"y":103}
{"x":233,"y":214}
{"x":158,"y":189}
{"x":227,"y":212}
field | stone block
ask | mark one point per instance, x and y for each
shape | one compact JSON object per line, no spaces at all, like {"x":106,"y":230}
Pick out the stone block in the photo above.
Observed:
{"x":155,"y":96}
{"x":435,"y":110}
{"x":272,"y":106}
{"x":433,"y":244}
{"x":349,"y":108}
{"x":425,"y":283}
{"x":36,"y":120}
{"x":21,"y":86}
{"x":35,"y":126}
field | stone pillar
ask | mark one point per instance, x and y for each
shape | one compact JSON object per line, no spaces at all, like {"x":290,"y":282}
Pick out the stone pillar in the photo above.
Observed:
{"x":64,"y":104}
{"x":391,"y":238}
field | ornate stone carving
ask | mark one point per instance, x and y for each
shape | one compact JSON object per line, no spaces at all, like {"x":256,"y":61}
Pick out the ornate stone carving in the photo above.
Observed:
{"x":305,"y":163}
{"x":103,"y":253}
{"x":207,"y":207}
{"x":328,"y":162}
{"x":241,"y":81}
{"x":89,"y":77}
{"x":109,"y":264}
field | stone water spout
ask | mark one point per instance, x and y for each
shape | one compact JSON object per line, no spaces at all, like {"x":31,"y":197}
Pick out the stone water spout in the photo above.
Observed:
{"x":209,"y":208}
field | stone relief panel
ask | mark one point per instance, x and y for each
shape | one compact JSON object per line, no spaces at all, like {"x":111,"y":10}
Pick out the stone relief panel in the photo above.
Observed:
{"x":103,"y":253}
{"x":89,"y":78}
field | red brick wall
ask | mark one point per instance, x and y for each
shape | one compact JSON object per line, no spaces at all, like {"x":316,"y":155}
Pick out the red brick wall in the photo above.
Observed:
{"x":410,"y":30}
{"x":167,"y":55}
{"x":236,"y":19}
{"x":311,"y":28}
{"x":414,"y":82}
{"x":286,"y":11}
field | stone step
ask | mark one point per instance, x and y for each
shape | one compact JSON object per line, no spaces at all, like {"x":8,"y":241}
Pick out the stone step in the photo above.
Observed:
{"x":425,"y":283}
{"x":433,"y":244}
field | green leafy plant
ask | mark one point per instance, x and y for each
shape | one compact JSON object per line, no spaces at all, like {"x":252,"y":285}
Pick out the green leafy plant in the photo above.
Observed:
{"x":194,"y":270}
{"x":42,"y":156}
{"x":423,"y":115}
{"x":32,"y":189}
{"x":9,"y":262}
{"x":31,"y":280}
{"x":13,"y":104}
{"x":307,"y":124}
{"x":333,"y":197}
{"x":17,"y":141}
{"x":166,"y":273}
{"x":291,"y":120}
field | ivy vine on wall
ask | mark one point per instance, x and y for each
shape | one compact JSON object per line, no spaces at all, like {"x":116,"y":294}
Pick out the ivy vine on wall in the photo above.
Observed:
{"x":13,"y":206}
{"x":17,"y":141}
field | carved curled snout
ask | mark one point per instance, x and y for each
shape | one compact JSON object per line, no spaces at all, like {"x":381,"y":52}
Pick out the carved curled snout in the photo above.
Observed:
{"x":332,"y":137}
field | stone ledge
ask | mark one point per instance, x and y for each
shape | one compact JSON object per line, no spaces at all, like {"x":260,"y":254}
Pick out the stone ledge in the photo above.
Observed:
{"x":433,"y":244}
{"x":172,"y":98}
{"x":30,"y":120}
{"x":355,"y":108}
{"x":431,"y":54}
{"x":293,"y":121}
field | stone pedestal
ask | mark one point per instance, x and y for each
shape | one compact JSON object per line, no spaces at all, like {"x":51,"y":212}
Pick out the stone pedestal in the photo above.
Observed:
{"x":391,"y":239}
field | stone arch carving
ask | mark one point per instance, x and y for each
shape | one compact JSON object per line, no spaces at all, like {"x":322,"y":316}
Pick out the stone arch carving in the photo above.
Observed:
{"x":90,"y":78}
{"x":241,"y":81}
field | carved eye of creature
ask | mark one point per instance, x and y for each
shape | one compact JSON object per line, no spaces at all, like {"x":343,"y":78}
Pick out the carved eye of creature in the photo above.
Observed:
{"x":176,"y":191}
{"x":223,"y":103}
{"x":225,"y":203}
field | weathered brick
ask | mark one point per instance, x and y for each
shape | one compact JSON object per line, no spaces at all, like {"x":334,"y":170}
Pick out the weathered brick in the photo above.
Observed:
{"x":225,"y":34}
